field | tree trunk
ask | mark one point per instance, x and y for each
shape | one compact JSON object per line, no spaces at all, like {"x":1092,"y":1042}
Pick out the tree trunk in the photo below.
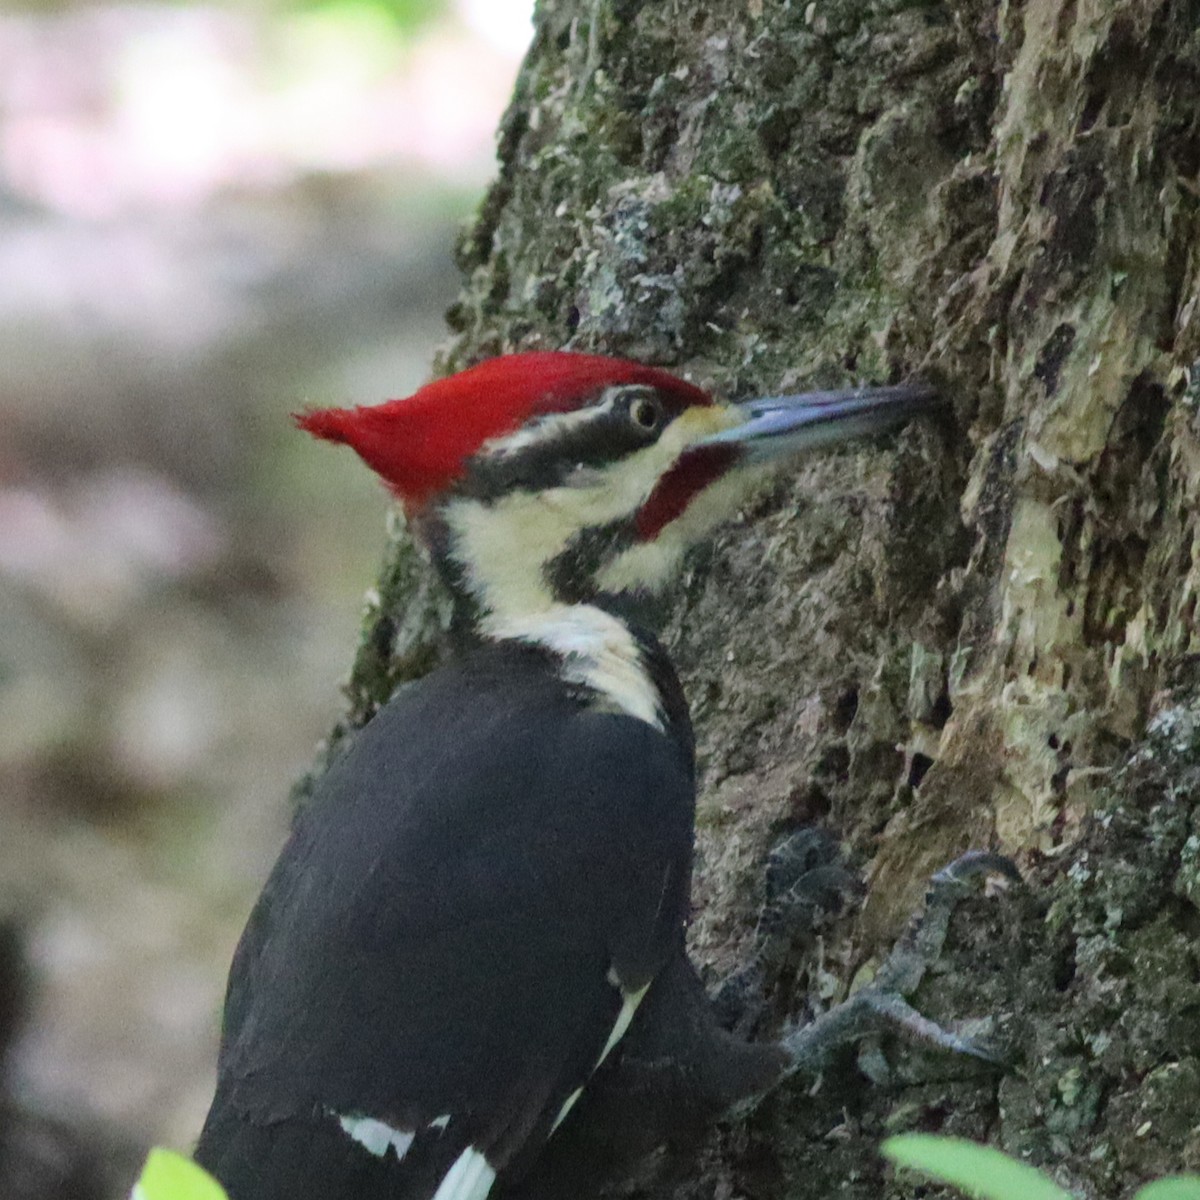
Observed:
{"x":981,"y":634}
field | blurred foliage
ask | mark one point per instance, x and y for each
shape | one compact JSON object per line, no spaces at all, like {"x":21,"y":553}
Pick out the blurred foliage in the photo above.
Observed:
{"x":406,"y":15}
{"x":170,"y":1176}
{"x":986,"y":1173}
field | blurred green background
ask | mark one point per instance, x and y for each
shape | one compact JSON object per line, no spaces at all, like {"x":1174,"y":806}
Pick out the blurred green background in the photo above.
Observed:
{"x":210,"y":215}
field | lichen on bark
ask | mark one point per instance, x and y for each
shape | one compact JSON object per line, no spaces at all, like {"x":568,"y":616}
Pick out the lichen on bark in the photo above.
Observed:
{"x":978,"y":634}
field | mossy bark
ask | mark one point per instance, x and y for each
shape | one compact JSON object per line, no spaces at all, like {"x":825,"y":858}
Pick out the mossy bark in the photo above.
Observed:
{"x":983,"y":633}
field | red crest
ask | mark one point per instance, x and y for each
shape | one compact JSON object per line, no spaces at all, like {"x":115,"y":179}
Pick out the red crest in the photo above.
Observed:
{"x":421,"y":444}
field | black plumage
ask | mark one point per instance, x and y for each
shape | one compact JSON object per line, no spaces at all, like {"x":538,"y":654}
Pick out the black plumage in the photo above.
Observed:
{"x":478,"y":919}
{"x":439,"y":936}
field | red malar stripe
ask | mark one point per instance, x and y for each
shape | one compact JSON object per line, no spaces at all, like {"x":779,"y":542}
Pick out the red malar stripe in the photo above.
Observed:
{"x":693,"y":471}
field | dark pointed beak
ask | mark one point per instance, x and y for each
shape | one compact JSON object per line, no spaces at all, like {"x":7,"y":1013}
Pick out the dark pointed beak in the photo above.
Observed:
{"x":776,"y":426}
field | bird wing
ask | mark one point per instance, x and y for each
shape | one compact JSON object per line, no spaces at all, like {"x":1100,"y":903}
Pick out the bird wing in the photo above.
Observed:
{"x":457,"y":933}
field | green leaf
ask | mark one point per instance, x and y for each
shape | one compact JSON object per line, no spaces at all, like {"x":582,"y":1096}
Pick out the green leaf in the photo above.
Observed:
{"x":170,"y":1176}
{"x":1174,"y":1187}
{"x":980,"y":1171}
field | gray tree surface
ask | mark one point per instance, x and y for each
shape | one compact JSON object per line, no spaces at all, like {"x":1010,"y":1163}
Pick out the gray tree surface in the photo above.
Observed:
{"x":980,"y":634}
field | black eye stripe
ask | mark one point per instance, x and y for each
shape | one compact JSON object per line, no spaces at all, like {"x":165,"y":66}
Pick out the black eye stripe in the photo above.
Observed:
{"x":619,"y":423}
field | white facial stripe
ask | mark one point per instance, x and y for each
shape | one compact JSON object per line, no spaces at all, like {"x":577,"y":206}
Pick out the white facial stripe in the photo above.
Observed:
{"x":503,"y":548}
{"x":470,"y":1178}
{"x":376,"y":1136}
{"x":597,"y":650}
{"x":506,"y":545}
{"x":624,"y":486}
{"x":650,"y":565}
{"x":554,"y":426}
{"x":549,"y":428}
{"x":647,"y":566}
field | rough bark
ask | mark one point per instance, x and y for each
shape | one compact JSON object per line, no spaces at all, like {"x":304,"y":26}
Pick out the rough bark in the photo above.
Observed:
{"x":981,"y":634}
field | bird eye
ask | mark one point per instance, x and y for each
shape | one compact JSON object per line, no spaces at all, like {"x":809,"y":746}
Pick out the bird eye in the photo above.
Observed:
{"x":645,"y":412}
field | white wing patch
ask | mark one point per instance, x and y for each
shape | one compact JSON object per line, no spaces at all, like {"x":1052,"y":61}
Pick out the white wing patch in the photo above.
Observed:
{"x":470,"y":1178}
{"x":377,"y":1136}
{"x":568,"y":1104}
{"x":629,"y":1005}
{"x":597,"y":650}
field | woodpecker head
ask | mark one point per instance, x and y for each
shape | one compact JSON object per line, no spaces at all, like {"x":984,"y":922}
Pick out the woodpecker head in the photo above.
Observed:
{"x":548,"y":478}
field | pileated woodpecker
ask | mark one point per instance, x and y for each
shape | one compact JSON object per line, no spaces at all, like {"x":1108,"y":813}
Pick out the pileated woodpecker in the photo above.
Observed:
{"x":485,"y":898}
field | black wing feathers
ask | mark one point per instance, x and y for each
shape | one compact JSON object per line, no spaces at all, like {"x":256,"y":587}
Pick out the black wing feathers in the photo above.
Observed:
{"x":437,"y":938}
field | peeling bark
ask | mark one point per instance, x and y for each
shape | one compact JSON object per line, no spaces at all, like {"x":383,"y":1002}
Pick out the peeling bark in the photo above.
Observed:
{"x":983,"y":633}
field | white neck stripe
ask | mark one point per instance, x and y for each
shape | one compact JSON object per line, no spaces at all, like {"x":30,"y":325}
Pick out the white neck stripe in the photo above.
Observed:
{"x":597,"y":650}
